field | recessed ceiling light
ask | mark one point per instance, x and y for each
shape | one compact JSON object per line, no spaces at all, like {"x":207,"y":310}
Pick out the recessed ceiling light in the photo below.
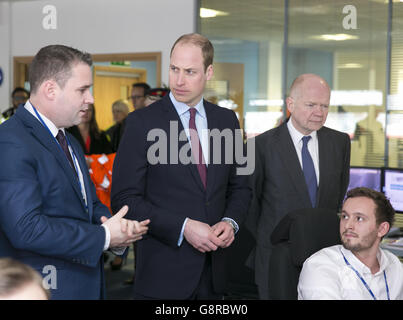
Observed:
{"x":334,"y":37}
{"x":210,"y":13}
{"x":387,"y":1}
{"x":350,"y":66}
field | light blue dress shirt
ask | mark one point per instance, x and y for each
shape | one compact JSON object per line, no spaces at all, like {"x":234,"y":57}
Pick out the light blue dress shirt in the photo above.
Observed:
{"x":201,"y":122}
{"x":202,"y":128}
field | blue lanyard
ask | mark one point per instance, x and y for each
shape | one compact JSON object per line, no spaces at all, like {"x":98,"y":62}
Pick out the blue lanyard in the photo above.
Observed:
{"x":363,"y":280}
{"x":70,"y":147}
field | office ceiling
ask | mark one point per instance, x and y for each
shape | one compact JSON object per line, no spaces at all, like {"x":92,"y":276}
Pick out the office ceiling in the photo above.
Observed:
{"x":263,"y":20}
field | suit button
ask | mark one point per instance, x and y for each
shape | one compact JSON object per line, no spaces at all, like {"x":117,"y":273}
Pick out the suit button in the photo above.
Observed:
{"x":207,"y":203}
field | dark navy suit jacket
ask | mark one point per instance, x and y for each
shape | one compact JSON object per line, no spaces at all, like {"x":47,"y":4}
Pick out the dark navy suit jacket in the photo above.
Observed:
{"x":43,"y":218}
{"x":168,"y":193}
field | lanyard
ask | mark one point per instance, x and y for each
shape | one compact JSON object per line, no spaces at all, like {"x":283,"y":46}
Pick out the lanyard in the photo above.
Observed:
{"x":70,"y":147}
{"x":363,"y":280}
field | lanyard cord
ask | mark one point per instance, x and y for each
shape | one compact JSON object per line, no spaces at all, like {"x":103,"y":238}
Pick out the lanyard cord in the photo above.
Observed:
{"x":70,"y":147}
{"x":363,"y":280}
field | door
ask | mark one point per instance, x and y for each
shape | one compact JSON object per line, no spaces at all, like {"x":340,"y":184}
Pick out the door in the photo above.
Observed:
{"x":21,"y":65}
{"x":112,"y":83}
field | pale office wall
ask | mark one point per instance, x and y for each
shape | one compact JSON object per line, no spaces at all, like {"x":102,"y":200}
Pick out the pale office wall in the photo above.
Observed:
{"x":5,"y":54}
{"x":102,"y":26}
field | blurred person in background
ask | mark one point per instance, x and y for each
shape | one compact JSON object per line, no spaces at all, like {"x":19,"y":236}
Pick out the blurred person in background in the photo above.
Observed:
{"x":138,"y":94}
{"x":120,"y":110}
{"x":92,"y":140}
{"x":19,"y":96}
{"x":155,"y":94}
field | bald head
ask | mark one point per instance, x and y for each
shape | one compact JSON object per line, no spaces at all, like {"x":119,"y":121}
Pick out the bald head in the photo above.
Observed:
{"x":308,"y":102}
{"x":307,"y":80}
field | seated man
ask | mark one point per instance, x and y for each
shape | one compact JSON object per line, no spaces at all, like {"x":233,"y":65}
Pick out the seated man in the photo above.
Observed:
{"x":358,"y":269}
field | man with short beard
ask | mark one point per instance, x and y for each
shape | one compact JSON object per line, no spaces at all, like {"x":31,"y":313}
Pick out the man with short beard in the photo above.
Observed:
{"x":358,"y":269}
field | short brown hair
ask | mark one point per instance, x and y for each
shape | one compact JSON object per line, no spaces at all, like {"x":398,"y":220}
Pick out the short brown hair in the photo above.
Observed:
{"x":55,"y":62}
{"x":14,"y":275}
{"x":200,"y":41}
{"x":384,"y":211}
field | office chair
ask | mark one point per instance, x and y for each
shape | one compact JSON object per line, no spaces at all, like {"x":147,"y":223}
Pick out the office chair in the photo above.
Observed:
{"x":297,"y":236}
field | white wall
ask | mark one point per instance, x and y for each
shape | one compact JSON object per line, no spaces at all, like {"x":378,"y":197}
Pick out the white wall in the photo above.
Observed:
{"x":101,"y":26}
{"x":5,"y":88}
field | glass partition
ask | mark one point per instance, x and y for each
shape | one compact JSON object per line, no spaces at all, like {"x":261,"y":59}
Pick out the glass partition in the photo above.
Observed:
{"x":345,"y":43}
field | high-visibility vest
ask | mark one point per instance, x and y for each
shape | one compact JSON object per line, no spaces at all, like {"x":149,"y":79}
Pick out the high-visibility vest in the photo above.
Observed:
{"x":101,"y":175}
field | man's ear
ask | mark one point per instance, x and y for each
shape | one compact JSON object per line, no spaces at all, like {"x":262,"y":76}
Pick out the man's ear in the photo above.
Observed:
{"x":383,"y":229}
{"x":49,"y":89}
{"x":209,"y":72}
{"x":290,"y":104}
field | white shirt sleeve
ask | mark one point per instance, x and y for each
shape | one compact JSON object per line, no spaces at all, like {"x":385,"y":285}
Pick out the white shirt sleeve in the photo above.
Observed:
{"x":119,"y":250}
{"x":319,"y":281}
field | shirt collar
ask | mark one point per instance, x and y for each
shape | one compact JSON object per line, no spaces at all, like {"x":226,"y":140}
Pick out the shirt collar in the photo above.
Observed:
{"x":297,"y":136}
{"x":382,"y":259}
{"x":361,"y":267}
{"x":51,"y":126}
{"x":181,"y":108}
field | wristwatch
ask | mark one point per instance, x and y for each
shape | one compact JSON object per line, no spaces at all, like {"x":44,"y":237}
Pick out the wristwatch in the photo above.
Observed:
{"x":232,"y":223}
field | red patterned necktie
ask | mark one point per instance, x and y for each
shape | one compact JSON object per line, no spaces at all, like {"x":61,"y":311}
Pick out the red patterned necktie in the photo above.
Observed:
{"x":196,"y":147}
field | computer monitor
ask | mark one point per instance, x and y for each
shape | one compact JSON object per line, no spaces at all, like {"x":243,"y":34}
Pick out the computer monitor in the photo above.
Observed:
{"x":365,"y":177}
{"x":393,"y":187}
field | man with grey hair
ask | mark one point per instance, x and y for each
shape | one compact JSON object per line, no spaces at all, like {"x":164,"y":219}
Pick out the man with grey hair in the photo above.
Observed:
{"x":300,"y":164}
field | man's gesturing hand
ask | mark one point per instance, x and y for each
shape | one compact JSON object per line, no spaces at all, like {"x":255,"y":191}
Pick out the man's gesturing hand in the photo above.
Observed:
{"x":124,"y":231}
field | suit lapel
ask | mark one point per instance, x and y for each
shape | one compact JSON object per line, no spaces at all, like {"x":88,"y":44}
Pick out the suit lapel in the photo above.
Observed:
{"x":212,"y":123}
{"x":86,"y":180}
{"x":286,"y":149}
{"x":324,"y":160}
{"x":45,"y":138}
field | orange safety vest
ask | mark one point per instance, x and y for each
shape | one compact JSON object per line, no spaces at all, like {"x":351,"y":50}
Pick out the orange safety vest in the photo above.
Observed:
{"x":101,"y":175}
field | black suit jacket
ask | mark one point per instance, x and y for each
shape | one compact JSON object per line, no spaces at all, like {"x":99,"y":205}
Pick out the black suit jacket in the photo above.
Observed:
{"x":279,"y":186}
{"x":98,"y":144}
{"x":168,"y":193}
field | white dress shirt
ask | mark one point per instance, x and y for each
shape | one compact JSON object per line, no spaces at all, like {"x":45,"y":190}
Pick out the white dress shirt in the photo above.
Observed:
{"x":313,"y":146}
{"x":54,"y":130}
{"x":326,"y":276}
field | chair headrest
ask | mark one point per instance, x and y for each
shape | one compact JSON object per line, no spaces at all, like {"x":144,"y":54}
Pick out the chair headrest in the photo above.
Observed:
{"x":307,"y":231}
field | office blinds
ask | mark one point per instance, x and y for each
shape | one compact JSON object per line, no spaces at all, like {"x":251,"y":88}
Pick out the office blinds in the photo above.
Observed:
{"x":394,"y":118}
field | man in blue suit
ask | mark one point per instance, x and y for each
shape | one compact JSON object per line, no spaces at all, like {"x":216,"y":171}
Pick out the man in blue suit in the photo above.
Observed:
{"x":195,"y":207}
{"x":50,"y":216}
